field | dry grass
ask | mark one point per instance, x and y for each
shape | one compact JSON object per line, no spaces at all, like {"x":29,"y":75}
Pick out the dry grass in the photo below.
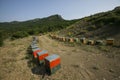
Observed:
{"x":11,"y":61}
{"x":77,"y":62}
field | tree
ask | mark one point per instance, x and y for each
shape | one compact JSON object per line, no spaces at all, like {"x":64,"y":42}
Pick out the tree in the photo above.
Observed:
{"x":1,"y":39}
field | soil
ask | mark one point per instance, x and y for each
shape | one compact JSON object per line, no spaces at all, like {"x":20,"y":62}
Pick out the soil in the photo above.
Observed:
{"x":78,"y":62}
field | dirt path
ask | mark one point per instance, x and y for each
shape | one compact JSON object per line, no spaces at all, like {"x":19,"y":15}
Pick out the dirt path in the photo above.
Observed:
{"x":76,"y":63}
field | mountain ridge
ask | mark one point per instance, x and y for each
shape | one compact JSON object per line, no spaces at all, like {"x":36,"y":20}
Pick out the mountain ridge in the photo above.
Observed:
{"x":100,"y":25}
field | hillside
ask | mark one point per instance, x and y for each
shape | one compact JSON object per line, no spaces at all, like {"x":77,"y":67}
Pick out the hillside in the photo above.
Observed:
{"x":35,"y":26}
{"x":101,"y":25}
{"x":16,"y":29}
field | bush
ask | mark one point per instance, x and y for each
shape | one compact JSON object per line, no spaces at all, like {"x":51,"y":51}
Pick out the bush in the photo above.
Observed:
{"x":91,"y":28}
{"x":19,"y":34}
{"x":1,"y":39}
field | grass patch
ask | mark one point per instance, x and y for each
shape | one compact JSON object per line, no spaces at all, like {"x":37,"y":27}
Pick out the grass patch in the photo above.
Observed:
{"x":103,"y":48}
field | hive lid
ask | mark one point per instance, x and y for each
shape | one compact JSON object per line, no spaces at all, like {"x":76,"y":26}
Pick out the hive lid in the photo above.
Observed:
{"x":34,"y":46}
{"x":110,"y":39}
{"x":42,"y":52}
{"x":83,"y":38}
{"x":52,"y":57}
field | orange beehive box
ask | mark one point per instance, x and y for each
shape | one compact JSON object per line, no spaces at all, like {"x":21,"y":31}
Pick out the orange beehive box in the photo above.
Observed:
{"x":41,"y":55}
{"x":52,"y":61}
{"x":35,"y":52}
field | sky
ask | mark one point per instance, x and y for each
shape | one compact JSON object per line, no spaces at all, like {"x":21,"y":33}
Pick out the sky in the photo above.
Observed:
{"x":22,"y":10}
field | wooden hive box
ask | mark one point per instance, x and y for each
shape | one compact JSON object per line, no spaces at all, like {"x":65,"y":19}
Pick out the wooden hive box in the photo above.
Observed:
{"x":41,"y":56}
{"x":52,"y":63}
{"x":71,"y":40}
{"x":76,"y":40}
{"x":63,"y":39}
{"x":90,"y":42}
{"x":99,"y":42}
{"x":60,"y":39}
{"x":83,"y":40}
{"x":35,"y":51}
{"x":66,"y":39}
{"x":35,"y":39}
{"x":109,"y":41}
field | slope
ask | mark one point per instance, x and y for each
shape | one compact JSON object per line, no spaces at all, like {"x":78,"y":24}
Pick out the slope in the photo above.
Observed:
{"x":101,"y":25}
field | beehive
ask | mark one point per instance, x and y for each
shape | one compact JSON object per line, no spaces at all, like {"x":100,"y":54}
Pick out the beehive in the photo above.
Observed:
{"x":99,"y":42}
{"x":83,"y":40}
{"x":67,"y":39}
{"x":109,"y":41}
{"x":76,"y":39}
{"x":71,"y":40}
{"x":63,"y":39}
{"x":41,"y":56}
{"x":35,"y":39}
{"x":90,"y":42}
{"x":60,"y":38}
{"x":35,"y":51}
{"x":52,"y":63}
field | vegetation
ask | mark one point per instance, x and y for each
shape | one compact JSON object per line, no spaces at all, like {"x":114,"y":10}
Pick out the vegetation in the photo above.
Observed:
{"x":17,"y":29}
{"x":19,"y":35}
{"x":105,"y":23}
{"x":94,"y":25}
{"x":1,"y":39}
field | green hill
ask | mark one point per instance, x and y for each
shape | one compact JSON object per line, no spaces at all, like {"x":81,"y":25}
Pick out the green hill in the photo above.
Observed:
{"x":35,"y":26}
{"x":100,"y":25}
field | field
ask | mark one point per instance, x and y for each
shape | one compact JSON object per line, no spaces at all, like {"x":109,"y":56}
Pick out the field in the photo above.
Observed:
{"x":78,"y":62}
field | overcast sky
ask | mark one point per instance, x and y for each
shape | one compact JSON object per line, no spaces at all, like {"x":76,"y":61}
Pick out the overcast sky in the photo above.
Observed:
{"x":21,"y":10}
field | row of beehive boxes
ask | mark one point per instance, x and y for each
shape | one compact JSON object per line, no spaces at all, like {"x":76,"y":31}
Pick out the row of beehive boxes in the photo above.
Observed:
{"x":51,"y":62}
{"x":84,"y":40}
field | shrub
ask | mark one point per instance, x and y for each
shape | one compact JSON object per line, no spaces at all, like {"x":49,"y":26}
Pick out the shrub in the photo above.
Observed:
{"x":1,"y":39}
{"x":19,"y":34}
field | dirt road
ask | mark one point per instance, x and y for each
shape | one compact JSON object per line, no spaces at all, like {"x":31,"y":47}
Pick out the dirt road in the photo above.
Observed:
{"x":76,"y":63}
